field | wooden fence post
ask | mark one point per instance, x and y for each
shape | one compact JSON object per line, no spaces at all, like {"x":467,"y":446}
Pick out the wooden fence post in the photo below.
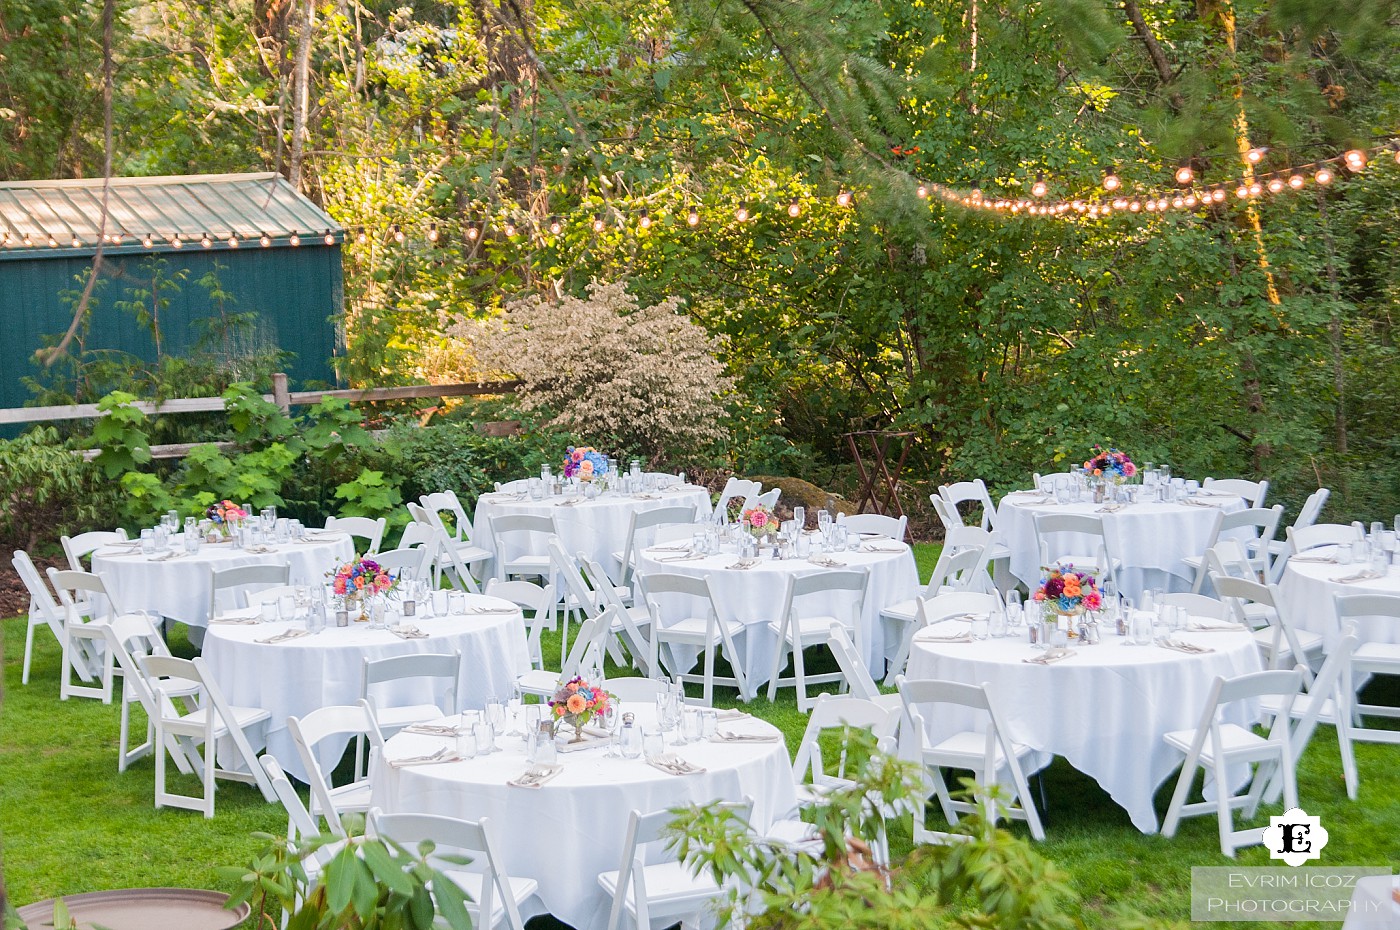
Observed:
{"x":280,"y":396}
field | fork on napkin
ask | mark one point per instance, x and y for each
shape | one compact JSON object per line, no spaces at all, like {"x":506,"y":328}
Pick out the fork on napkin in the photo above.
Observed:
{"x":826,"y":561}
{"x":432,"y":729}
{"x":167,"y":556}
{"x":1320,"y":559}
{"x":732,"y":713}
{"x":673,"y":764}
{"x":1363,"y":575}
{"x":689,"y":556}
{"x":1183,"y":646}
{"x":743,"y":564}
{"x":492,"y":610}
{"x":672,"y":547}
{"x":1198,"y":503}
{"x":924,"y":636}
{"x":729,"y":736}
{"x":408,"y":632}
{"x":442,"y":755}
{"x":1049,"y":656}
{"x":236,"y":621}
{"x":1111,"y":508}
{"x":1213,"y":626}
{"x":282,"y":637}
{"x":879,"y":547}
{"x":535,"y":776}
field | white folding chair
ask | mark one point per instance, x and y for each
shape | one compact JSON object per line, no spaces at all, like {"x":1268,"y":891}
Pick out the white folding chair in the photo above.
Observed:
{"x":1328,"y":700}
{"x":853,"y":667}
{"x":636,"y":690}
{"x":544,"y":683}
{"x":494,"y":896}
{"x":947,"y":514}
{"x":631,"y":623}
{"x":703,"y":629}
{"x":332,"y":724}
{"x":1215,"y":746}
{"x":736,"y":489}
{"x":1050,"y":527}
{"x":1374,"y":655}
{"x":301,"y":826}
{"x":768,"y":498}
{"x":391,"y":718}
{"x":1253,"y":492}
{"x":79,"y":547}
{"x":371,"y":530}
{"x":1263,"y":522}
{"x":957,"y":570}
{"x":245,"y":579}
{"x":893,"y":527}
{"x":528,"y":535}
{"x":810,"y":773}
{"x":405,"y":564}
{"x":645,"y":523}
{"x":973,"y":492}
{"x":1276,"y":552}
{"x":83,"y":595}
{"x":1281,"y":644}
{"x":128,"y":638}
{"x":458,"y":536}
{"x":839,"y":591}
{"x":1198,"y":605}
{"x":1318,"y":535}
{"x":653,"y":890}
{"x":536,"y":603}
{"x":990,"y":755}
{"x":201,"y":719}
{"x":44,"y":610}
{"x":579,"y":599}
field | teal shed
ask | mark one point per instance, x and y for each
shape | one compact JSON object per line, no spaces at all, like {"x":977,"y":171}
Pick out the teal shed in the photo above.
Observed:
{"x":273,"y":252}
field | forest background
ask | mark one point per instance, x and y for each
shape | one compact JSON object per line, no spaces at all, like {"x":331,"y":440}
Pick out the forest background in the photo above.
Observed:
{"x":1251,"y":338}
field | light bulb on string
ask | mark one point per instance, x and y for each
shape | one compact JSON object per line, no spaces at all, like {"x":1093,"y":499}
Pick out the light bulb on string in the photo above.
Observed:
{"x":148,"y":242}
{"x":28,"y":241}
{"x":1296,"y":181}
{"x":473,"y":232}
{"x":1241,"y":192}
{"x":295,"y":240}
{"x":1255,"y":155}
{"x":361,"y":236}
{"x":1323,"y":176}
{"x":1184,"y":174}
{"x":794,"y":209}
{"x":1191,"y":201}
{"x":844,"y":198}
{"x":509,"y":228}
{"x":433,"y":232}
{"x":598,"y":224}
{"x":328,"y":238}
{"x":1178,"y":203}
{"x":1111,"y":181}
{"x":1134,"y":206}
{"x":1218,"y":195}
{"x":742,"y":214}
{"x":232,"y":240}
{"x":1275,"y":185}
{"x":1355,"y":160}
{"x":77,"y":243}
{"x":921,"y":191}
{"x":206,"y":241}
{"x":398,"y":233}
{"x":644,"y":220}
{"x":555,"y":225}
{"x":176,"y":242}
{"x":692,"y":216}
{"x":1255,"y":189}
{"x":1039,"y":187}
{"x":265,"y":241}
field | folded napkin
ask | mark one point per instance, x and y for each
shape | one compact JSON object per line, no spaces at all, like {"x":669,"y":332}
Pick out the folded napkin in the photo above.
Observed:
{"x":260,"y":550}
{"x":686,"y":557}
{"x":826,"y":561}
{"x":672,"y":547}
{"x":408,"y":632}
{"x":431,"y":729}
{"x":926,"y":636}
{"x":282,"y":637}
{"x":167,"y":556}
{"x":1207,"y":493}
{"x":678,"y":490}
{"x":1193,"y":502}
{"x":1321,"y":559}
{"x":729,"y":736}
{"x":881,"y":547}
{"x":442,"y":755}
{"x":672,"y":764}
{"x":1052,"y":655}
{"x":1364,"y":575}
{"x":732,"y":713}
{"x":492,"y":610}
{"x":239,"y":621}
{"x":535,"y":776}
{"x":646,"y":497}
{"x":312,"y":541}
{"x":1178,"y":645}
{"x":1207,"y":625}
{"x":1111,"y":508}
{"x":743,"y":564}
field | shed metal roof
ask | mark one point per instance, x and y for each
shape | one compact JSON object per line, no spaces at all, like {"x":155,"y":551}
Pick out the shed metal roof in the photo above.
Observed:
{"x":51,"y":216}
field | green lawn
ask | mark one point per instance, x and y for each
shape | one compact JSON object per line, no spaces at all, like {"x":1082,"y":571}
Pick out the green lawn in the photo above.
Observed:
{"x":70,"y":823}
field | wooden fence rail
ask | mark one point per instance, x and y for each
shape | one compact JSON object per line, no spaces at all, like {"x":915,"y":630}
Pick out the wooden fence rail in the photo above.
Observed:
{"x":280,"y":396}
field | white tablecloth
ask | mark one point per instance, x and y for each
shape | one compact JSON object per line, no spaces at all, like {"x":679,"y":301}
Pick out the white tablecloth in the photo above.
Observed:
{"x":596,"y":527}
{"x":1310,"y":587}
{"x":1105,"y":709}
{"x":1375,"y":904}
{"x":293,"y":678}
{"x":178,"y":587}
{"x":755,"y":597}
{"x":1149,"y":539}
{"x":572,"y":828}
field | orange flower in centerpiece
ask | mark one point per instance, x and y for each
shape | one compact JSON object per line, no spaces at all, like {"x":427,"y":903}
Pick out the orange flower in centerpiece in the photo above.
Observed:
{"x":576,"y":703}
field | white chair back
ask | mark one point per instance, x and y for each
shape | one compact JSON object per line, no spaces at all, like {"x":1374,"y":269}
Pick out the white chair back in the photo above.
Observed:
{"x":1301,"y":539}
{"x":947,"y":514}
{"x":1253,"y":492}
{"x":893,"y":527}
{"x":1050,"y":530}
{"x":536,"y":603}
{"x":645,"y":524}
{"x":326,"y":723}
{"x":245,"y":579}
{"x":79,"y":547}
{"x":974,"y":492}
{"x":371,"y":530}
{"x":837,"y":712}
{"x":736,"y":489}
{"x":44,"y":610}
{"x":635,"y":689}
{"x":768,"y":498}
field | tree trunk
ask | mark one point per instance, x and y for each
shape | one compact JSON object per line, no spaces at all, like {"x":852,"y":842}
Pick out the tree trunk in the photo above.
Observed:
{"x":301,"y":104}
{"x":1154,"y":52}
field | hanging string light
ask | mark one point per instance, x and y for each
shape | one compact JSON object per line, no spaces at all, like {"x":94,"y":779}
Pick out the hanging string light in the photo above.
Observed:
{"x":644,"y":220}
{"x":598,"y":224}
{"x":794,"y":209}
{"x":473,"y":232}
{"x":1111,"y":181}
{"x":295,"y":240}
{"x":328,"y":238}
{"x":692,"y":216}
{"x":206,"y":241}
{"x":555,"y":225}
{"x":1184,"y":174}
{"x":1355,"y":160}
{"x":1040,"y":188}
{"x":433,"y":232}
{"x":1255,"y":155}
{"x":844,"y":198}
{"x":742,"y":214}
{"x":265,"y":241}
{"x":509,"y":229}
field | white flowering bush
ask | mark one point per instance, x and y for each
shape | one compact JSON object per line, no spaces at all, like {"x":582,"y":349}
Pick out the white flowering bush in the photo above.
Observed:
{"x":643,"y":380}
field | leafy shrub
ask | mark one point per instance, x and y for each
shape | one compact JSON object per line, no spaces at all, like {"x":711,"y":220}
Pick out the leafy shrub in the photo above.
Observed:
{"x":454,"y":455}
{"x":615,"y":374}
{"x":46,"y":490}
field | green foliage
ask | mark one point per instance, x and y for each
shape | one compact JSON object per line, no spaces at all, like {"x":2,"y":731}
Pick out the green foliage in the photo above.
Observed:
{"x":46,"y":490}
{"x":120,"y":435}
{"x":369,"y":883}
{"x":371,"y":495}
{"x":454,"y":455}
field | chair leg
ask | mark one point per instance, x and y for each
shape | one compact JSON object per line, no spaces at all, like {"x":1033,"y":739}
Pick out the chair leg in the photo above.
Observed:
{"x":1224,"y":818}
{"x":799,"y":677}
{"x":1178,"y":801}
{"x":28,"y":652}
{"x":709,"y":690}
{"x":901,"y":657}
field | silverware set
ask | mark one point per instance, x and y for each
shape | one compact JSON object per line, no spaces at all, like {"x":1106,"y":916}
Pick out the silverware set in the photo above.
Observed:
{"x":442,"y":755}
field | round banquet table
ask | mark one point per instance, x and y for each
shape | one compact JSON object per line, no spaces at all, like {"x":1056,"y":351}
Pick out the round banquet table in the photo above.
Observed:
{"x":177,"y":586}
{"x":596,"y":527}
{"x":565,"y":832}
{"x":1149,"y":539}
{"x":754,"y":596}
{"x":294,"y":677}
{"x":1309,"y":587}
{"x":1105,"y":708}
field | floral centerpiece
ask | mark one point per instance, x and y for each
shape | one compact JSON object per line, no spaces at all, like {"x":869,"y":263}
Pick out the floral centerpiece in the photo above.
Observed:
{"x":1068,"y":592}
{"x":576,"y":703}
{"x":361,"y":578}
{"x":760,"y":521}
{"x":584,"y":463}
{"x":223,"y":513}
{"x":1110,"y":464}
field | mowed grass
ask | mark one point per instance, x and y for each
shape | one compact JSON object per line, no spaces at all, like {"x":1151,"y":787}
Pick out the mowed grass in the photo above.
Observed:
{"x":70,"y":823}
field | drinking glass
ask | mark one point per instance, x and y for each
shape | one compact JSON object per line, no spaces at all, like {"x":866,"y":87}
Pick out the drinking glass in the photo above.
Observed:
{"x":456,"y":603}
{"x":824,"y":520}
{"x":629,"y":741}
{"x":440,"y":603}
{"x":496,"y":716}
{"x":709,"y":722}
{"x":997,"y":623}
{"x":486,"y":738}
{"x":979,"y":627}
{"x":514,"y":709}
{"x":1141,"y":628}
{"x":376,"y":613}
{"x":692,"y":726}
{"x":287,"y":606}
{"x":546,"y":753}
{"x":653,"y":743}
{"x":192,"y":541}
{"x":799,"y":516}
{"x":267,"y":611}
{"x":466,"y":741}
{"x":1360,"y":552}
{"x":1059,"y":639}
